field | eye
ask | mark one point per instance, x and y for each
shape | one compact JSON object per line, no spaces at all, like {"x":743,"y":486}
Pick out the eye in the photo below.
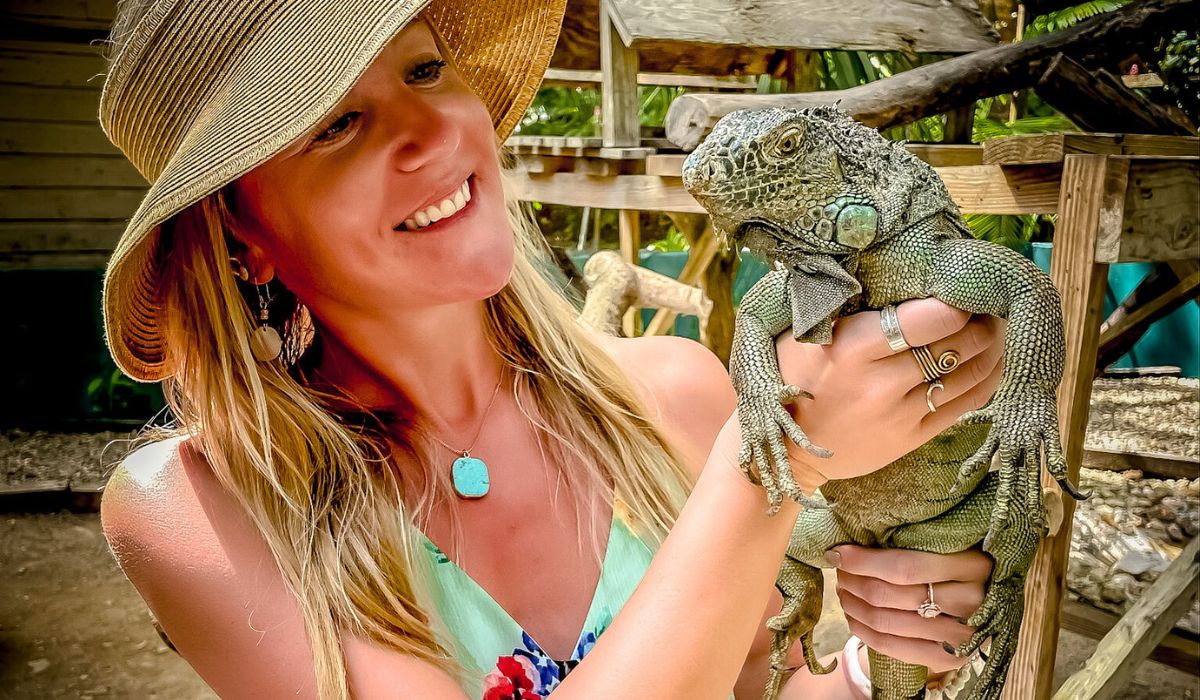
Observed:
{"x":428,"y":71}
{"x":788,"y":142}
{"x":329,"y":130}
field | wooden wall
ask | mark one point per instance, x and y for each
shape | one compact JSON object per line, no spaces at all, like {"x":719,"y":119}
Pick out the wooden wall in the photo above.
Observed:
{"x":65,"y":191}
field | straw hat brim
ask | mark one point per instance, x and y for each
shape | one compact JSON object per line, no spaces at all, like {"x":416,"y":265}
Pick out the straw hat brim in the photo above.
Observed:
{"x":313,"y":55}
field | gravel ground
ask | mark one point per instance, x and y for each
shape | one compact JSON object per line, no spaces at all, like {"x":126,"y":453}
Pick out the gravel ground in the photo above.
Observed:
{"x":1147,"y":414}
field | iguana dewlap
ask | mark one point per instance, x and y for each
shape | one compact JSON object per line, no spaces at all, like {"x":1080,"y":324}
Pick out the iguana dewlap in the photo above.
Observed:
{"x":853,"y":221}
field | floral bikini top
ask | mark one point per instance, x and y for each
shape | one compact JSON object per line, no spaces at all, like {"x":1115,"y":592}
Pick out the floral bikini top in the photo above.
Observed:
{"x":510,"y":664}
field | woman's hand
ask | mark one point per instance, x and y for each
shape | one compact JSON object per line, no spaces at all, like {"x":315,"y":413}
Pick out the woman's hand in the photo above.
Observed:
{"x":881,"y":589}
{"x":868,"y":404}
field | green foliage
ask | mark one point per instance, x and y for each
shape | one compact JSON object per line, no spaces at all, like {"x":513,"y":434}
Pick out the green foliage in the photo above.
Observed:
{"x":673,"y":242}
{"x":113,"y":395}
{"x":1178,"y":59}
{"x":1061,"y":19}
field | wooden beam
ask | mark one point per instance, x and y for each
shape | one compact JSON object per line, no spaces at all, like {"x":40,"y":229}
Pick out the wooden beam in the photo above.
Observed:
{"x":1177,"y":650}
{"x":1161,"y":221}
{"x":619,"y":118}
{"x":936,"y":154}
{"x":1052,"y":148}
{"x":939,"y":87}
{"x":1139,"y":631}
{"x":1156,"y":464}
{"x":630,"y":233}
{"x":1088,"y":182}
{"x":707,"y":82}
{"x":979,"y":189}
{"x":1159,"y":294}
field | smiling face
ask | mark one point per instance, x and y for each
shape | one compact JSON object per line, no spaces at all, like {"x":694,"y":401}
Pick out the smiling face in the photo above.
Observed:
{"x":328,"y":214}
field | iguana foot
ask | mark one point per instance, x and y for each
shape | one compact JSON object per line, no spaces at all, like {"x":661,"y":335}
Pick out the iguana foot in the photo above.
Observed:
{"x":764,"y":422}
{"x":802,"y":587}
{"x":1020,"y":428}
{"x":998,"y":619}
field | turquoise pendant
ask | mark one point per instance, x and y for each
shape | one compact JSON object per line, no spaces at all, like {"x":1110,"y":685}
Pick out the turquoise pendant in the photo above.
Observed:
{"x":470,"y":477}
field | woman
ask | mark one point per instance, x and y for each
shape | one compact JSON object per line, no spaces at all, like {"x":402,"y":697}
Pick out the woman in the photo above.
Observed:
{"x":333,"y":176}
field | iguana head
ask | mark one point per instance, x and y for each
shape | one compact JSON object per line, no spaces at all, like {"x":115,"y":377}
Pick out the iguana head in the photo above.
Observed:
{"x":808,"y":180}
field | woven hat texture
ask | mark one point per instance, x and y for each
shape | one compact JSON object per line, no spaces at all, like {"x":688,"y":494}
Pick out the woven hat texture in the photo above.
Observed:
{"x":204,"y":91}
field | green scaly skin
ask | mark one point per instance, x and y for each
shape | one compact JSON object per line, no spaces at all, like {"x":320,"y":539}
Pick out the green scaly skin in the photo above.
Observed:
{"x":853,"y":221}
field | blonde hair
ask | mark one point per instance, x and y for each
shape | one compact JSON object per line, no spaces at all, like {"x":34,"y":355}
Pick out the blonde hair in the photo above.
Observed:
{"x":314,"y":470}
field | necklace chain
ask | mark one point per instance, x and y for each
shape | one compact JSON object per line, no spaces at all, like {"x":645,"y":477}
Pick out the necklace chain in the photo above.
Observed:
{"x":479,"y":431}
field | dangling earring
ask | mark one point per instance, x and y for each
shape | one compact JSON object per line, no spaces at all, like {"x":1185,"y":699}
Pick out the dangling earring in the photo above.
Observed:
{"x":264,"y":342}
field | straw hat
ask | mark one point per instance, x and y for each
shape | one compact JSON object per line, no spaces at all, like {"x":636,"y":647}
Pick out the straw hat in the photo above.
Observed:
{"x":206,"y":90}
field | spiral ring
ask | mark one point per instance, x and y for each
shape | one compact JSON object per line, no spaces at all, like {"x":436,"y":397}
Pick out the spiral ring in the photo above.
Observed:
{"x":932,"y":369}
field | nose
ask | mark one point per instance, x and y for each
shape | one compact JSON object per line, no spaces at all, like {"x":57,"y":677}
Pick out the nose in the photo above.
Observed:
{"x":422,"y":133}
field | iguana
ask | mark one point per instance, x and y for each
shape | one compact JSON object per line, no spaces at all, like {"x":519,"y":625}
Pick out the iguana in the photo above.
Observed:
{"x":853,"y":221}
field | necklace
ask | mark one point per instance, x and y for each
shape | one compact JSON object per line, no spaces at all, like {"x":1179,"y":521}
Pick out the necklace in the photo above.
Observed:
{"x":470,"y":474}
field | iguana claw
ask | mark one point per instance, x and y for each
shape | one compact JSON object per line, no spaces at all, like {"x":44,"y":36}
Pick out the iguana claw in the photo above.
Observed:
{"x":765,"y":422}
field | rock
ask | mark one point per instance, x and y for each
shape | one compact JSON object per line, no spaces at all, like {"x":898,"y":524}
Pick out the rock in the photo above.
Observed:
{"x":38,"y":665}
{"x":1175,"y":532}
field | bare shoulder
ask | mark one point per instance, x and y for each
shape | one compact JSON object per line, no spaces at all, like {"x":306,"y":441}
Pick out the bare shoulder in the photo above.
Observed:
{"x":210,"y":580}
{"x":205,"y":573}
{"x":684,"y":386}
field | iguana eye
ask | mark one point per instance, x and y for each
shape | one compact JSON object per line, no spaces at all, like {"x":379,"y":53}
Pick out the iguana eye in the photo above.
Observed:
{"x":788,"y":142}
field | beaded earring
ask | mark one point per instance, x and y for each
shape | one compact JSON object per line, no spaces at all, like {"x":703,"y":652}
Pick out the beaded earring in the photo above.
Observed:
{"x":265,"y":343}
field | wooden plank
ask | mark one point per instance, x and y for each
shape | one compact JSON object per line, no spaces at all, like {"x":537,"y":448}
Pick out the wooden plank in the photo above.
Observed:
{"x":68,"y":171}
{"x":1142,"y":80}
{"x":36,"y":237}
{"x":51,"y":65}
{"x":1052,"y":148}
{"x":81,"y":203}
{"x":54,"y":261}
{"x":1153,"y":299}
{"x":1096,"y":100}
{"x":1139,"y":631}
{"x":1177,"y":650}
{"x":704,"y":82}
{"x":27,"y":136}
{"x":949,"y":26}
{"x":1081,"y":283}
{"x":630,"y":234}
{"x":937,"y":155}
{"x":982,"y":189}
{"x":1156,"y":464}
{"x":57,"y":105}
{"x":93,"y":11}
{"x":992,"y":189}
{"x":1161,"y":220}
{"x":619,"y":109}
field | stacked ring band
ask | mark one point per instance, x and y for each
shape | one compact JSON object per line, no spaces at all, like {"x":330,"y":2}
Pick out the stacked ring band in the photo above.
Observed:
{"x":932,"y":369}
{"x":890,"y":323}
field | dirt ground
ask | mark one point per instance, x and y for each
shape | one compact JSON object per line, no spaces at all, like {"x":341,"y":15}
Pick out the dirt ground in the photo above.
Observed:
{"x":71,"y":625}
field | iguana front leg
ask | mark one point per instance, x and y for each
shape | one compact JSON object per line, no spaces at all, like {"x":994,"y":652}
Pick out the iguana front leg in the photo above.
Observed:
{"x":984,"y":278}
{"x":761,"y":393}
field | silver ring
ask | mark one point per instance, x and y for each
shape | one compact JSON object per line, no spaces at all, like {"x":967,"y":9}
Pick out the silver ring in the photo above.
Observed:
{"x":929,"y":609}
{"x":935,"y":384}
{"x":932,"y":369}
{"x":890,"y":322}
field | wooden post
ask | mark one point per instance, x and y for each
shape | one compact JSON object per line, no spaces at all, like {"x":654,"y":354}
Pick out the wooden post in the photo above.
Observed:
{"x":1140,"y":629}
{"x":631,"y":242}
{"x":1091,"y":202}
{"x":620,"y":125}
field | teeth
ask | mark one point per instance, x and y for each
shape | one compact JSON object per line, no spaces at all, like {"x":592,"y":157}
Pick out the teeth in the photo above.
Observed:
{"x":441,"y":210}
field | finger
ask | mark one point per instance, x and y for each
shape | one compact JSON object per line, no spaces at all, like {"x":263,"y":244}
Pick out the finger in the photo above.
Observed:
{"x":976,"y":339}
{"x":973,"y":377}
{"x":972,"y":399}
{"x":958,"y":599}
{"x":913,"y":651}
{"x":908,"y":566}
{"x":905,"y":623}
{"x":922,"y":321}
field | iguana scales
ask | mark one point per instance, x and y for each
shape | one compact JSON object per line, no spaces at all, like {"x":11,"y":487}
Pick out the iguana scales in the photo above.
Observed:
{"x":853,"y":221}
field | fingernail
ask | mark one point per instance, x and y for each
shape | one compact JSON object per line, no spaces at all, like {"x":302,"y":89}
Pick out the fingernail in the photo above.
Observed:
{"x":832,"y":558}
{"x":963,"y":620}
{"x":949,"y":648}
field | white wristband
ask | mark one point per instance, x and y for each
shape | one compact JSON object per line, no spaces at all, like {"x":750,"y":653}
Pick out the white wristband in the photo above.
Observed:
{"x":855,"y":675}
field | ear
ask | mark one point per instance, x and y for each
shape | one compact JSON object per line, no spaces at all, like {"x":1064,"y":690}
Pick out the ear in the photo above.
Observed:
{"x":262,"y":270}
